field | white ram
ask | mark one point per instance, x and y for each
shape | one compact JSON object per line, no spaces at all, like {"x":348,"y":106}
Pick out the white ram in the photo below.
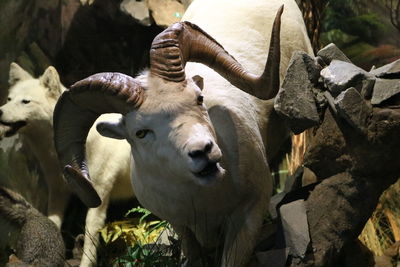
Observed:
{"x":203,"y":166}
{"x":29,"y":112}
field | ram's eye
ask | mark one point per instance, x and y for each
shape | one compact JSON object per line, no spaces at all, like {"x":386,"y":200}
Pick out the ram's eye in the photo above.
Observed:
{"x":8,"y":98}
{"x":200,"y":100}
{"x":141,"y":133}
{"x":25,"y":101}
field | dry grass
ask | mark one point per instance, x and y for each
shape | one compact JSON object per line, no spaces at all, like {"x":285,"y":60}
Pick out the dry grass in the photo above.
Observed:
{"x":383,"y":228}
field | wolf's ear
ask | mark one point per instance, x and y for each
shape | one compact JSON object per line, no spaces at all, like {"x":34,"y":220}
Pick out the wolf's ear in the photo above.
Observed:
{"x":17,"y":74}
{"x":51,"y":81}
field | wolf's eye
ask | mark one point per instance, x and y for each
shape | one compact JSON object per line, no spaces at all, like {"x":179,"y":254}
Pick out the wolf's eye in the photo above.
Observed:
{"x":141,"y":133}
{"x":25,"y":101}
{"x":200,"y":100}
{"x":8,"y":98}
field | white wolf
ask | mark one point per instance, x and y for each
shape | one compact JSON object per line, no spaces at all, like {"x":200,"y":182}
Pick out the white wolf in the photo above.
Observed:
{"x":29,"y":112}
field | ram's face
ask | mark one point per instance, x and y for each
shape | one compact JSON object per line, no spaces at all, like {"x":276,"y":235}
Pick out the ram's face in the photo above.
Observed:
{"x":171,"y":133}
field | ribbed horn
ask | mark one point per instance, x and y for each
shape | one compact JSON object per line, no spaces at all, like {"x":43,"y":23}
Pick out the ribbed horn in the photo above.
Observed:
{"x":184,"y":41}
{"x":74,"y":114}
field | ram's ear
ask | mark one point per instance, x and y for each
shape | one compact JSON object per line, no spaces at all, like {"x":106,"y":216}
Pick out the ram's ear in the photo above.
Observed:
{"x":112,"y":129}
{"x":198,"y":80}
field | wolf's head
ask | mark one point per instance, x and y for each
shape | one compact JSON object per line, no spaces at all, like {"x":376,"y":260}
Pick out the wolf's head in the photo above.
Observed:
{"x":30,"y":101}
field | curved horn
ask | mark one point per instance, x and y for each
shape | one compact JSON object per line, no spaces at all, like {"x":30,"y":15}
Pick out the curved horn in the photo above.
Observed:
{"x":75,"y":113}
{"x":184,"y":41}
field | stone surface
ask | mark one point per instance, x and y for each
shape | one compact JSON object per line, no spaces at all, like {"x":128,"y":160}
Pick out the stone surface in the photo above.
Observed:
{"x":138,"y":10}
{"x":23,"y":22}
{"x":340,"y":75}
{"x":186,"y":3}
{"x":166,"y":12}
{"x":331,"y":52}
{"x":367,"y":86}
{"x":384,"y":89}
{"x":275,"y":257}
{"x":391,"y":70}
{"x":352,"y":167}
{"x":295,"y":226}
{"x":337,"y":211}
{"x":295,"y":99}
{"x":352,"y":107}
{"x":275,"y":200}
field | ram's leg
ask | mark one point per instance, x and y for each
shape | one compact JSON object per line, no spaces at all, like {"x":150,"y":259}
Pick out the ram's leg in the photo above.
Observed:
{"x":242,"y":230}
{"x":95,"y":219}
{"x":190,"y":246}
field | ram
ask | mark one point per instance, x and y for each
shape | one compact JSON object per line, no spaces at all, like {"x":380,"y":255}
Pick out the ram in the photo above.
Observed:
{"x":200,"y":147}
{"x":29,"y":112}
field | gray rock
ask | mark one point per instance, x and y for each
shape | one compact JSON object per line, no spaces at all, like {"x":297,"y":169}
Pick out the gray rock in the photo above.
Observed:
{"x":138,"y":10}
{"x":320,"y":99}
{"x":340,"y":75}
{"x":367,"y":86}
{"x":274,"y":257}
{"x":186,"y":3}
{"x":295,"y":99}
{"x":275,"y":200}
{"x":384,"y":89}
{"x":353,"y":108}
{"x":331,"y":52}
{"x":295,"y":227}
{"x":166,"y":12}
{"x":391,"y":70}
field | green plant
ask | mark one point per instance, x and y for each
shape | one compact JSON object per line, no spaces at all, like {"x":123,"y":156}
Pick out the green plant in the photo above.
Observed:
{"x":143,"y":240}
{"x":147,"y":256}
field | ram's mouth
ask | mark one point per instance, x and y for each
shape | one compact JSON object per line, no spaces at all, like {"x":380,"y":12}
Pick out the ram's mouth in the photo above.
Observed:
{"x":13,"y":127}
{"x":211,"y":169}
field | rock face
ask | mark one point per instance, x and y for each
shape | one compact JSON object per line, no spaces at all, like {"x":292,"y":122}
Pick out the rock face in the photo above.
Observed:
{"x":384,"y":89}
{"x":340,"y":75}
{"x":295,"y":99}
{"x":138,"y":10}
{"x":331,"y":52}
{"x":391,"y":70}
{"x":350,"y":91}
{"x":166,"y":12}
{"x":163,"y":12}
{"x":295,"y":225}
{"x":351,"y":149}
{"x":352,"y":107}
{"x":25,"y":23}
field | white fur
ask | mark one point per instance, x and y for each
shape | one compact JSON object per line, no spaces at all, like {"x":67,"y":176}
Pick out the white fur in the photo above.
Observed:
{"x":109,"y":159}
{"x":244,"y":129}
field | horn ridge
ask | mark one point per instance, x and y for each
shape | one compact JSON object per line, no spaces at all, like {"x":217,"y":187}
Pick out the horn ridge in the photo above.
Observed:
{"x":76,"y":111}
{"x":270,"y":75}
{"x":185,"y":41}
{"x":116,"y":84}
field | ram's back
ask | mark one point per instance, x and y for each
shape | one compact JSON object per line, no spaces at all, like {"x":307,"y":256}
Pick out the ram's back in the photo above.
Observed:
{"x":243,"y":27}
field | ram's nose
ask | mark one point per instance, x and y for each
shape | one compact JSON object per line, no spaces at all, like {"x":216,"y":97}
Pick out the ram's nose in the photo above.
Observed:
{"x":205,"y":149}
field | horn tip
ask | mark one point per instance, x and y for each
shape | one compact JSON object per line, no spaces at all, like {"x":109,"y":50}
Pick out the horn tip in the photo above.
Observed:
{"x":82,"y":186}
